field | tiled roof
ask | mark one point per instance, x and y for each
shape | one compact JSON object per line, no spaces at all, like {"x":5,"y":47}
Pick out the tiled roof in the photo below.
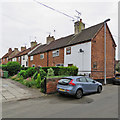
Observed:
{"x":83,"y":36}
{"x":24,"y":52}
{"x":7,"y":55}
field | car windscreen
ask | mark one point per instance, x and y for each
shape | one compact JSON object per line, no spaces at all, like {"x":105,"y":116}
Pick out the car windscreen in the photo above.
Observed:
{"x":64,"y":81}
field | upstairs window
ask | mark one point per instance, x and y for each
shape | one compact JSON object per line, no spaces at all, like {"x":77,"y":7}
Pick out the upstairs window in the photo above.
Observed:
{"x":68,"y":50}
{"x":23,"y":57}
{"x":55,"y":53}
{"x":31,"y":58}
{"x":41,"y":56}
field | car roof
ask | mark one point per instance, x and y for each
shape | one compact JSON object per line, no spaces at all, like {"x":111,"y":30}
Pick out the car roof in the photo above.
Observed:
{"x":74,"y":77}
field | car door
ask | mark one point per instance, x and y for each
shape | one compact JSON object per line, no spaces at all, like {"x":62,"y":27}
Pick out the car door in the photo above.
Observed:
{"x":82,"y":83}
{"x":92,"y":85}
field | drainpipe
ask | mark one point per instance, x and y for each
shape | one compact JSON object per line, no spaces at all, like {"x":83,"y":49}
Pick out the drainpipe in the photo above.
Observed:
{"x":105,"y":50}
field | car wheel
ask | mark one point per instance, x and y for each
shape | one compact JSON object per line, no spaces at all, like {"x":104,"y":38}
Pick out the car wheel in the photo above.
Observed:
{"x":79,"y":94}
{"x":99,"y":89}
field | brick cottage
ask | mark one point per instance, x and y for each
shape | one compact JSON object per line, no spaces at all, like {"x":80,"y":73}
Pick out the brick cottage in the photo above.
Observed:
{"x":84,"y":49}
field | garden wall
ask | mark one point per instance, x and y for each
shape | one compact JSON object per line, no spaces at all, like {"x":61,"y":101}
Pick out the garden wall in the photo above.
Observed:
{"x":51,"y":85}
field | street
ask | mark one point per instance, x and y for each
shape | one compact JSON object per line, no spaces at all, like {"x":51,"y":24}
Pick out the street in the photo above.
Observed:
{"x":104,"y":105}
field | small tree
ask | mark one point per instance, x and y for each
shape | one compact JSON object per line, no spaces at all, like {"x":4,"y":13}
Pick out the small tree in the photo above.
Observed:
{"x":38,"y":81}
{"x":50,"y":72}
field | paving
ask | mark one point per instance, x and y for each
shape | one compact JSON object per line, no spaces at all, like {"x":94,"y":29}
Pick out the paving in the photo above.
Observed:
{"x":11,"y":91}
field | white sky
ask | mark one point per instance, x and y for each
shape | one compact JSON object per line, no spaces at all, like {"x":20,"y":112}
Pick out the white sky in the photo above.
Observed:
{"x":22,"y":21}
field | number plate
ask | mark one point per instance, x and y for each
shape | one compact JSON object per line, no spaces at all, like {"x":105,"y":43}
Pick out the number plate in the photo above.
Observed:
{"x":61,"y":89}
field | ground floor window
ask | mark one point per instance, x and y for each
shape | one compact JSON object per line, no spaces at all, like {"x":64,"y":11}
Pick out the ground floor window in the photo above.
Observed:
{"x":70,"y":65}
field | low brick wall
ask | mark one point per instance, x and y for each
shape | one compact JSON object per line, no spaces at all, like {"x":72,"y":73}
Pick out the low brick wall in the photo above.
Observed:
{"x":51,"y":85}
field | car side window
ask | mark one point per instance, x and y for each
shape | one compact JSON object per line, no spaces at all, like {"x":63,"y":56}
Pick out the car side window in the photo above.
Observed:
{"x":78,"y":80}
{"x":82,"y":79}
{"x":89,"y":79}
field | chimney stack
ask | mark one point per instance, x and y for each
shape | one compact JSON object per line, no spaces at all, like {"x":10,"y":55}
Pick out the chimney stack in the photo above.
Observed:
{"x":23,"y":48}
{"x":33,"y":43}
{"x":9,"y":50}
{"x":15,"y":49}
{"x":78,"y":26}
{"x":50,"y":39}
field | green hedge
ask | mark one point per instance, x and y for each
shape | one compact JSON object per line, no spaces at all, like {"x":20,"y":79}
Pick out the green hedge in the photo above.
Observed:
{"x":72,"y":71}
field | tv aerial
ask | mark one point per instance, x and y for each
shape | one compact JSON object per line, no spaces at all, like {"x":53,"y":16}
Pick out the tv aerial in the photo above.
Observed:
{"x":78,"y":16}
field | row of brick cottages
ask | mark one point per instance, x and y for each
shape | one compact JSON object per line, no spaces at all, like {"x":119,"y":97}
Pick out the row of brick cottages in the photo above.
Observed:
{"x":84,"y":49}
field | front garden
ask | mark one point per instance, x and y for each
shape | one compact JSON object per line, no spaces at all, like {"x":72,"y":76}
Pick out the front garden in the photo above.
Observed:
{"x":35,"y":77}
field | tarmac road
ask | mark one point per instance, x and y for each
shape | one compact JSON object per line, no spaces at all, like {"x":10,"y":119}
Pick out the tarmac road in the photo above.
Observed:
{"x":104,"y":105}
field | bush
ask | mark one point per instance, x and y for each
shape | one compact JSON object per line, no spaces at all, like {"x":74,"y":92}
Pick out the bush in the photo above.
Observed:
{"x":3,"y":67}
{"x":13,"y":68}
{"x":30,"y":72}
{"x":50,"y":72}
{"x":42,"y":73}
{"x":29,"y":82}
{"x":68,"y":71}
{"x":56,"y":70}
{"x":22,"y":73}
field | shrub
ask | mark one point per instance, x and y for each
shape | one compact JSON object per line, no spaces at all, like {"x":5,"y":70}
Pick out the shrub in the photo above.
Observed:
{"x":29,"y":82}
{"x":56,"y":70}
{"x":42,"y":73}
{"x":3,"y":67}
{"x":30,"y":72}
{"x":68,"y":71}
{"x":22,"y":73}
{"x":35,"y":75}
{"x":50,"y":72}
{"x":13,"y":68}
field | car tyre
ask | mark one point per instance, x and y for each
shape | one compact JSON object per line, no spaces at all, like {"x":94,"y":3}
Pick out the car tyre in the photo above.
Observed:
{"x":99,"y":89}
{"x":79,"y":94}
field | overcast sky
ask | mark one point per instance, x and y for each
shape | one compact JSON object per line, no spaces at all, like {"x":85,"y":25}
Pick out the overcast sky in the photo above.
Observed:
{"x":23,"y":21}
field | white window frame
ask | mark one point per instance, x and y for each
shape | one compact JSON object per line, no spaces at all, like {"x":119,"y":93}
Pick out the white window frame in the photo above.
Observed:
{"x":42,"y":55}
{"x":18,"y":58}
{"x":31,"y":58}
{"x":23,"y":57}
{"x":55,"y":53}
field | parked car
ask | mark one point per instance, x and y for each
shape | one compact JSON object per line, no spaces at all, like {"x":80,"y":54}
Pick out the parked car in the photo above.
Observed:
{"x":117,"y":79}
{"x":78,"y":85}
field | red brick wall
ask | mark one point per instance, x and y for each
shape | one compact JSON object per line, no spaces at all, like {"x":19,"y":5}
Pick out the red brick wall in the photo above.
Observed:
{"x":37,"y":61}
{"x":18,"y":60}
{"x":97,"y":55}
{"x":52,"y":61}
{"x":51,"y":85}
{"x":56,"y":60}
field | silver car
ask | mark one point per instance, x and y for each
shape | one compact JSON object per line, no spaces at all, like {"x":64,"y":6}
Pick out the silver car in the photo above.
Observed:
{"x":78,"y":85}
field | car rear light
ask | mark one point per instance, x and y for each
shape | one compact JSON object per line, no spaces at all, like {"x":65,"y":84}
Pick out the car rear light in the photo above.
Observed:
{"x":71,"y":83}
{"x":67,"y":90}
